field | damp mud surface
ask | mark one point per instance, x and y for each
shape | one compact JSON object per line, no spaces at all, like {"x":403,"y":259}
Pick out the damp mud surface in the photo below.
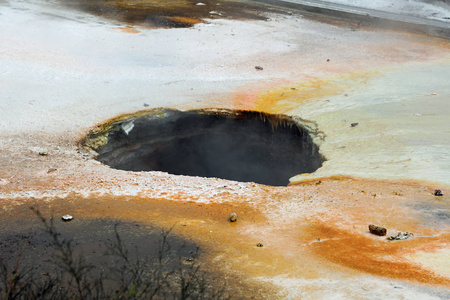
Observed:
{"x":120,"y":257}
{"x":163,"y":13}
{"x":92,"y":239}
{"x":27,"y":246}
{"x":235,"y":145}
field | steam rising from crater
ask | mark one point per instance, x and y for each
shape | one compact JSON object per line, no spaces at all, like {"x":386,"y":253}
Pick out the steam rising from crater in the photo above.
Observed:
{"x":236,"y":145}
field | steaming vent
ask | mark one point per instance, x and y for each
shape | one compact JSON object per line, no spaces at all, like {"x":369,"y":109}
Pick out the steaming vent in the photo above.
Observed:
{"x":236,"y":145}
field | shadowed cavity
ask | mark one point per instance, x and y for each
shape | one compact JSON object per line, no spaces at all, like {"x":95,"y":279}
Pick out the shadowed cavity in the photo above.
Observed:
{"x":236,"y":145}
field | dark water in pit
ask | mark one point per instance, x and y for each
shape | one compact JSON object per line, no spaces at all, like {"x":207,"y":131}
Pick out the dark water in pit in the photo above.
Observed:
{"x":241,"y":146}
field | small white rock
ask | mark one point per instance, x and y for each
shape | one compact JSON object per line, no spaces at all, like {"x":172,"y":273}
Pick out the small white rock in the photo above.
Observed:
{"x":67,"y":218}
{"x":200,"y":3}
{"x":127,"y":127}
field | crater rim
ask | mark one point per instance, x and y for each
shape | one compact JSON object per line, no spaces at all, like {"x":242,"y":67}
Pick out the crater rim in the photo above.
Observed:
{"x":100,"y":135}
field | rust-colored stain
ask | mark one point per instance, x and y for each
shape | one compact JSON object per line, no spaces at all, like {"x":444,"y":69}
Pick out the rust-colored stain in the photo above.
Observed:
{"x":163,"y":13}
{"x":345,"y":178}
{"x":335,"y":210}
{"x":188,"y":21}
{"x":376,"y":255}
{"x":129,"y":29}
{"x":284,"y":98}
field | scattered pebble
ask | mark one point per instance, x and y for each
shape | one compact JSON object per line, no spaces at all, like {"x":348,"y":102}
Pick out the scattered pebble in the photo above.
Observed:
{"x":259,"y":68}
{"x":215,"y":13}
{"x":259,"y":245}
{"x":233,"y":217}
{"x":200,"y":3}
{"x":328,"y":60}
{"x":67,"y":218}
{"x":354,"y":124}
{"x":438,"y":193}
{"x":146,"y":104}
{"x":378,"y":230}
{"x":400,"y":236}
{"x":43,"y":153}
{"x":52,"y":170}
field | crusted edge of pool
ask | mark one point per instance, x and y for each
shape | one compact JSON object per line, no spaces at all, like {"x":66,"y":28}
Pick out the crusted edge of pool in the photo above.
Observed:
{"x":98,"y":135}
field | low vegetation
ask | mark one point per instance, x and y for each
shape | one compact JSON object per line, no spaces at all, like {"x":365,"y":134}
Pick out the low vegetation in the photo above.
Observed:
{"x":120,"y":275}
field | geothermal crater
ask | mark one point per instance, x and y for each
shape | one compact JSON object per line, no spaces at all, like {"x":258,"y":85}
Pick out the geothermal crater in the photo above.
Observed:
{"x":244,"y":146}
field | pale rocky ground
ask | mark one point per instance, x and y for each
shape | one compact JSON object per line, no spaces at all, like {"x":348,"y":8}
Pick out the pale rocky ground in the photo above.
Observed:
{"x":62,"y":72}
{"x":429,"y":9}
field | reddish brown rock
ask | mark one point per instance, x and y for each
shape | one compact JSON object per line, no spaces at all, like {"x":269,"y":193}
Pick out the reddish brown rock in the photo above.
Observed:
{"x":374,"y":229}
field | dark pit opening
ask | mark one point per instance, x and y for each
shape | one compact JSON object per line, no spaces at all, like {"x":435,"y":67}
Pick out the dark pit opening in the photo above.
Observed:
{"x":236,"y":145}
